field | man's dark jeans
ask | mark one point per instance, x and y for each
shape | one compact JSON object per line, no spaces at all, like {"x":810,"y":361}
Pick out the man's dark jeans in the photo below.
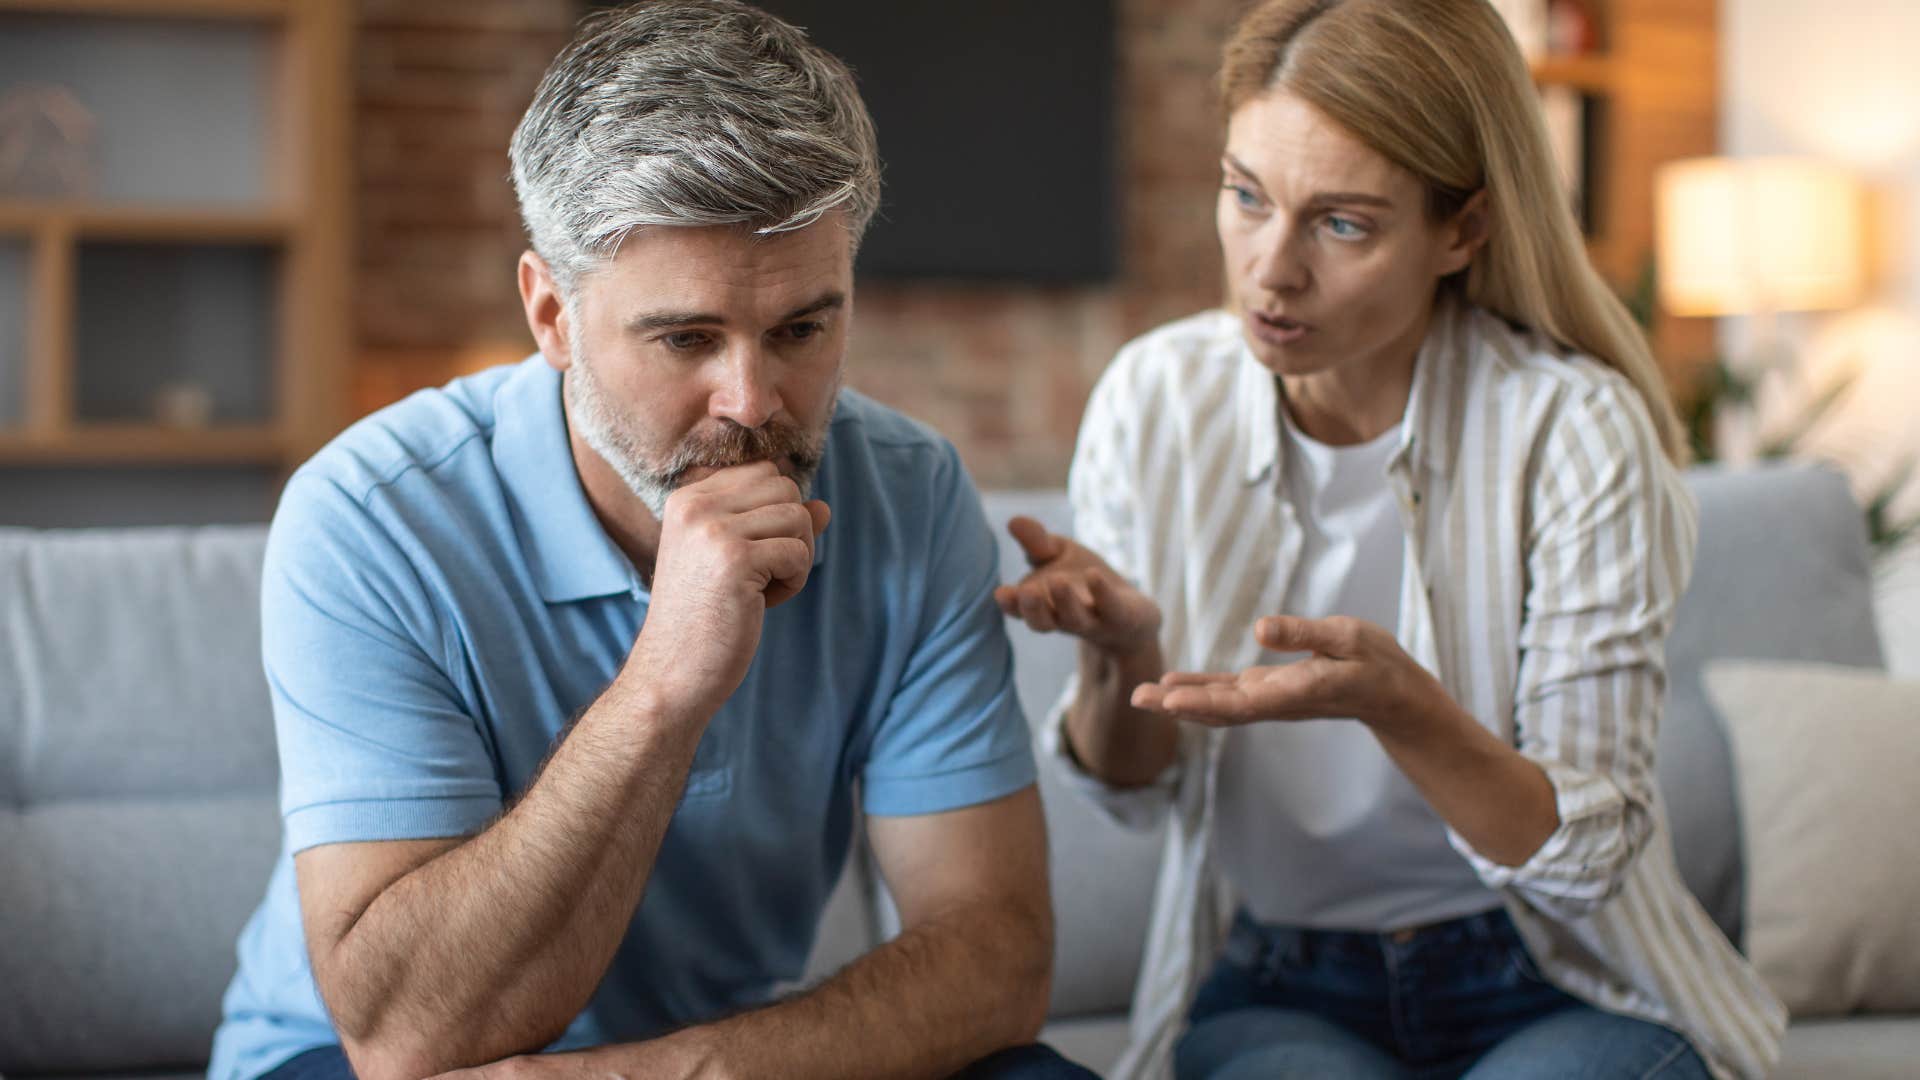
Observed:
{"x":1032,"y":1062}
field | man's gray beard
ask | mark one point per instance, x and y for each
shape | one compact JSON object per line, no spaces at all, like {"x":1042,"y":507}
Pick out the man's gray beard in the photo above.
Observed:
{"x":593,"y":414}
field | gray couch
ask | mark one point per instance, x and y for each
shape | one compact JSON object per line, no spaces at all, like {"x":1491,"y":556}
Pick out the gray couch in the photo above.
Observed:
{"x":138,"y":811}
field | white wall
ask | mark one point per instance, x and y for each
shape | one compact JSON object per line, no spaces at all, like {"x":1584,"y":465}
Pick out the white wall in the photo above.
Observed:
{"x":1840,"y":79}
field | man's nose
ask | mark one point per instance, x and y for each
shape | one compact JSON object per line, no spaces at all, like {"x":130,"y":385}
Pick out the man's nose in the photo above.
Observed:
{"x":745,"y":393}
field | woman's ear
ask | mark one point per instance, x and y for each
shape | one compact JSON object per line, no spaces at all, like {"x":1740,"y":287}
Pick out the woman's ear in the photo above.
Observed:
{"x":1465,"y":235}
{"x":546,"y":311}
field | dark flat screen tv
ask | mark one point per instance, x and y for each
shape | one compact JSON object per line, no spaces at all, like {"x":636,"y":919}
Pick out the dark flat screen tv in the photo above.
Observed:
{"x":997,"y":133}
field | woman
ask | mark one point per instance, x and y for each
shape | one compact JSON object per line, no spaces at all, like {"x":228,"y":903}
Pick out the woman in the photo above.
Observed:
{"x":1419,"y":483}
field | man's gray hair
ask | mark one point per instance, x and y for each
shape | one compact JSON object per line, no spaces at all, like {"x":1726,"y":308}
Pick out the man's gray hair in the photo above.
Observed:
{"x":689,"y":112}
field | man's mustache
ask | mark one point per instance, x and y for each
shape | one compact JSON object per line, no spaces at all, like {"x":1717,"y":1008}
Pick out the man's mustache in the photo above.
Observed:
{"x":736,"y":444}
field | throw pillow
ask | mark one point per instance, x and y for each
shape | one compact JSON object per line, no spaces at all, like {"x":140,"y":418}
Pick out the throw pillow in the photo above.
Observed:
{"x":1896,"y":603}
{"x":1827,"y":764}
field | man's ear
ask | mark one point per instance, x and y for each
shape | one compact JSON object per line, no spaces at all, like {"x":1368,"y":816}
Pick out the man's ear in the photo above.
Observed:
{"x":1466,"y":235}
{"x":546,"y":311}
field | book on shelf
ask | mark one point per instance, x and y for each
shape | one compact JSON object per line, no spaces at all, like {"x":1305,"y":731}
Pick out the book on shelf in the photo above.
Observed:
{"x":1545,"y":28}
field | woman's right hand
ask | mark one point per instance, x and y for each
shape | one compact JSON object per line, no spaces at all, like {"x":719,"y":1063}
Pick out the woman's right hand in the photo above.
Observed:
{"x":1073,"y":590}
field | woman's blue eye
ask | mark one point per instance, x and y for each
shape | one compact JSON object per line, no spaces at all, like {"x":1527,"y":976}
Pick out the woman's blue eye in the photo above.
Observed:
{"x":1244,"y":196}
{"x":1345,"y":228}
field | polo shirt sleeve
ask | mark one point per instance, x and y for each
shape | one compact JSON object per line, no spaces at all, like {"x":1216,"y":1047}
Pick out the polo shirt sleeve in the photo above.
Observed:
{"x":952,"y":733}
{"x":374,"y":741}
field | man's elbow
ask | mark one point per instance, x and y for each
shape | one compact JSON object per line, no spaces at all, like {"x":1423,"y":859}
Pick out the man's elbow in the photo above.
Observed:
{"x":1030,"y":980}
{"x":391,"y":1058}
{"x":382,"y":1043}
{"x":375,"y":1059}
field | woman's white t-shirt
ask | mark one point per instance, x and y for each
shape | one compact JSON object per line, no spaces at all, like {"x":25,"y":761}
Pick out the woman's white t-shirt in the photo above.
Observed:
{"x":1317,"y":826}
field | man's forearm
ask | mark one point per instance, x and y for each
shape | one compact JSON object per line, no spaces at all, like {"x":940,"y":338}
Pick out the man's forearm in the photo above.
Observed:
{"x":1122,"y":745}
{"x":924,"y":1005}
{"x":492,"y":948}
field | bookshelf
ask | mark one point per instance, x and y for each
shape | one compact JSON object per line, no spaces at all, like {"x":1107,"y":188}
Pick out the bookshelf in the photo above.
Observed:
{"x":1652,"y":88}
{"x":174,"y":254}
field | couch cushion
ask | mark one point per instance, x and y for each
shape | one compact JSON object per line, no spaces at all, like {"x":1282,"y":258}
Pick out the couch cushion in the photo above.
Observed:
{"x":1896,"y":600}
{"x":138,"y":815}
{"x":1781,"y":574}
{"x":1851,"y":1048}
{"x":1096,"y":1042}
{"x":1826,"y":759}
{"x":1102,"y":874}
{"x":130,"y":664}
{"x":124,"y":925}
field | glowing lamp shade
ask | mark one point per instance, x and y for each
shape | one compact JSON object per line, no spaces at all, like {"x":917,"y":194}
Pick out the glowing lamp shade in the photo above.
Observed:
{"x":1744,"y":235}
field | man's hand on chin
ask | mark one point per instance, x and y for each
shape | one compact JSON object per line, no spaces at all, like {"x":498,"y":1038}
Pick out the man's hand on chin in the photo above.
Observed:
{"x":732,"y":545}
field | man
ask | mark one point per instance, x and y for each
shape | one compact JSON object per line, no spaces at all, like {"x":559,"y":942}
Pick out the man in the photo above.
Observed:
{"x":574,"y":682}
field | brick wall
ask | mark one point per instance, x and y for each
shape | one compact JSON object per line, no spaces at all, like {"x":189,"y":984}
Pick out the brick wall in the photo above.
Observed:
{"x":1003,"y":371}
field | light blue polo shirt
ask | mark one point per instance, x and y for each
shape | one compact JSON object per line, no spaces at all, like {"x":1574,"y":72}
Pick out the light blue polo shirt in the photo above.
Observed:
{"x":439,"y":601}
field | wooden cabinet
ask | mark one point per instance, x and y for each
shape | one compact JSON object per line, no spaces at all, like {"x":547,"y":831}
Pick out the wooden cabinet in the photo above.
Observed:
{"x":173,"y":231}
{"x":1654,"y":86}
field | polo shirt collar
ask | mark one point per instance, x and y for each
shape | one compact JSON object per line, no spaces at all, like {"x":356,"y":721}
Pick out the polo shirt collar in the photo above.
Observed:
{"x":566,"y":548}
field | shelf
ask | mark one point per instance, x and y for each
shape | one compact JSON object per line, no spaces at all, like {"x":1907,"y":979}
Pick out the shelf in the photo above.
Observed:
{"x":198,"y":224}
{"x":173,"y":253}
{"x":154,"y":321}
{"x":1589,"y":74}
{"x":119,"y":444}
{"x":155,"y":9}
{"x":144,"y":110}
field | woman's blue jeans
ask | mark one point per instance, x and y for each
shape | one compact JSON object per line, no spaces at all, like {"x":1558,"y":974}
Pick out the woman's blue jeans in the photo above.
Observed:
{"x":1456,"y":999}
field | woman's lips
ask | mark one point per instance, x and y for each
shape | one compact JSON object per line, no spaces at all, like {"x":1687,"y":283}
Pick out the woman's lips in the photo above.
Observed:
{"x":1275,"y":329}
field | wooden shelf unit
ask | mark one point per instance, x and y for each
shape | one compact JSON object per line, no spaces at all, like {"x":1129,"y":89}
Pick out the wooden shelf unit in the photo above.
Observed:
{"x":1658,"y":85}
{"x":303,"y":218}
{"x":140,"y":444}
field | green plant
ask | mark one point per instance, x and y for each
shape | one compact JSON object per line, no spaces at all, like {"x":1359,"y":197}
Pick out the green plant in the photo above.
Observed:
{"x":1718,"y":386}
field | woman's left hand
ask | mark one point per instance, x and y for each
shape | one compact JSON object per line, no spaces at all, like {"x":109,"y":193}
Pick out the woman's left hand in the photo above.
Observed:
{"x":1357,"y":670}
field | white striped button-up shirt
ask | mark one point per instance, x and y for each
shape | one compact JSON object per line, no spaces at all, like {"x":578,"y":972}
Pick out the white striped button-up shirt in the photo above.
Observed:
{"x":1548,"y":540}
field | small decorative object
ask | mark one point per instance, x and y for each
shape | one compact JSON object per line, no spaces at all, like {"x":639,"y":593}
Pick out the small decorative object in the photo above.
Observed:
{"x":46,"y":138}
{"x":1571,"y":30}
{"x":183,"y":405}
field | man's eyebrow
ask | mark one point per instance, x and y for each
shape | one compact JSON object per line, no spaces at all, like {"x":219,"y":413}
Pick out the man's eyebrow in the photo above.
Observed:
{"x":670,"y":320}
{"x":830,"y":302}
{"x":674,"y":320}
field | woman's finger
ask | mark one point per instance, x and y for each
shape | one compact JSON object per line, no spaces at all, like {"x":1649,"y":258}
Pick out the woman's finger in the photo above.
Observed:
{"x":1035,"y":608}
{"x":1039,"y":545}
{"x":1290,"y":633}
{"x":1008,"y":597}
{"x":1197,"y":678}
{"x":1069,"y":609}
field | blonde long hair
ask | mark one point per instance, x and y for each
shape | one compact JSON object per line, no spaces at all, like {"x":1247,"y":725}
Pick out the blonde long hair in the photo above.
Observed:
{"x":1439,"y":88}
